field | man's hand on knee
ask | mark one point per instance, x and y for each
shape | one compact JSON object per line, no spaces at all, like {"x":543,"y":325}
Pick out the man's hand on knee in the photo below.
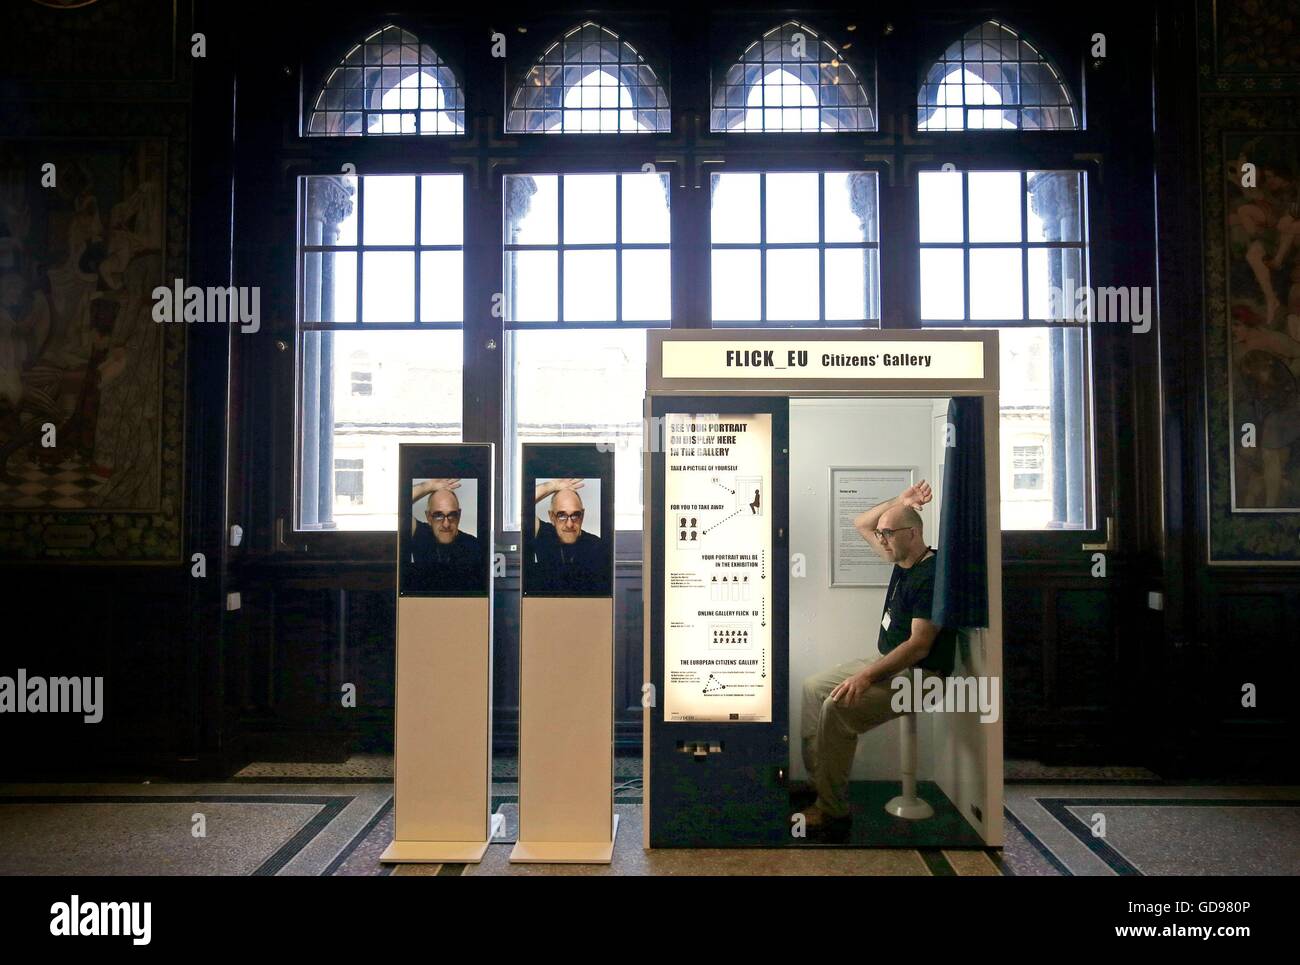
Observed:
{"x":851,"y":689}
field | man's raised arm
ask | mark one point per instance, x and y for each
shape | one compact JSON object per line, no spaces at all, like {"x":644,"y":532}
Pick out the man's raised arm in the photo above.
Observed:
{"x":868,"y":521}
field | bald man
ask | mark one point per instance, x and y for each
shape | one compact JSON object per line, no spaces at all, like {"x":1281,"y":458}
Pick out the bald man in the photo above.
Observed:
{"x":568,"y":558}
{"x":849,"y":700}
{"x":443,"y":557}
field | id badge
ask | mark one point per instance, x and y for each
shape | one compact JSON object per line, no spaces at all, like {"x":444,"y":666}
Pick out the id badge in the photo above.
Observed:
{"x":885,"y":621}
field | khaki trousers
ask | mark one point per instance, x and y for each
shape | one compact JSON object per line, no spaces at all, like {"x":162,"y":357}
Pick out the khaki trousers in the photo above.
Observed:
{"x":830,"y":730}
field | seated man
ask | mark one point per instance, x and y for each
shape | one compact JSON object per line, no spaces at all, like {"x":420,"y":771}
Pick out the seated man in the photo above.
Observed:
{"x":442,"y":557}
{"x":566,"y":558}
{"x":842,"y":703}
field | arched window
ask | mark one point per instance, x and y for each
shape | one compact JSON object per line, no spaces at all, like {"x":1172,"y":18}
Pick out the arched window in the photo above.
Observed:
{"x":791,"y":80}
{"x":390,"y":83}
{"x":589,"y":81}
{"x":992,"y":79}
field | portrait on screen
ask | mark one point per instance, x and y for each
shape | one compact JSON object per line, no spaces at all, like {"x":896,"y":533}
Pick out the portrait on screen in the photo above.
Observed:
{"x":444,"y":552}
{"x":567,"y":553}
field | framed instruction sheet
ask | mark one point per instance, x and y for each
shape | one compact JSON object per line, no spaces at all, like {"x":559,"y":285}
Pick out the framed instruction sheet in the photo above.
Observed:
{"x":717,"y":551}
{"x":853,"y":561}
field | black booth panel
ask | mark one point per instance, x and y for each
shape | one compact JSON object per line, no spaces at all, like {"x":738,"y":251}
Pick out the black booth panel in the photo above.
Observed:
{"x":737,"y":797}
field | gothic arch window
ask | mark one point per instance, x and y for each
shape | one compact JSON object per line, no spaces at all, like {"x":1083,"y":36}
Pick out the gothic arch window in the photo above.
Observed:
{"x":993,"y":79}
{"x":589,"y":81}
{"x":791,"y":79}
{"x":389,"y":83}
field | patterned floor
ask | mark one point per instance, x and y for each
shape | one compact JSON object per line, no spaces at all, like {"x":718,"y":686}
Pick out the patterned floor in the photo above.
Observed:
{"x":341,"y":828}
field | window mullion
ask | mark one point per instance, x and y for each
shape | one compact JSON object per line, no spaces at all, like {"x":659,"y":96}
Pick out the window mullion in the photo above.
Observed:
{"x":762,"y":248}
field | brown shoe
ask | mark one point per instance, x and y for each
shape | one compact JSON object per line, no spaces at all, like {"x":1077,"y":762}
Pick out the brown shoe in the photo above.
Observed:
{"x":815,"y":819}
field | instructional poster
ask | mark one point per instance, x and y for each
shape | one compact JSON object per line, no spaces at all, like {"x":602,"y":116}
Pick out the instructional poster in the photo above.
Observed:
{"x":717,"y":568}
{"x":853,"y":491}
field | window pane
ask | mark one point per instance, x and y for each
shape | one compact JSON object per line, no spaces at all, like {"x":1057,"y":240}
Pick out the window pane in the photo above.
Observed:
{"x":384,"y":388}
{"x":329,"y":286}
{"x":389,"y":210}
{"x":331,"y":211}
{"x":851,"y":286}
{"x":851,"y":207}
{"x":994,"y":205}
{"x":442,"y":206}
{"x":647,"y":289}
{"x":556,"y":378}
{"x":1054,"y":199}
{"x":589,"y":285}
{"x":793,"y":285}
{"x":442,"y":296}
{"x":1055,"y":276}
{"x":1045,"y":467}
{"x":388,"y":286}
{"x":532,"y":286}
{"x":645,"y":208}
{"x":589,"y":209}
{"x":792,"y":208}
{"x":995,"y":284}
{"x":736,"y":285}
{"x":532,"y":209}
{"x":736,"y":209}
{"x":941,"y":206}
{"x":943,"y":287}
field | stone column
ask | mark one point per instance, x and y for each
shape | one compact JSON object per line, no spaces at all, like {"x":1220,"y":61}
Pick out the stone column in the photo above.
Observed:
{"x":864,"y":201}
{"x":1055,"y":200}
{"x":329,"y":203}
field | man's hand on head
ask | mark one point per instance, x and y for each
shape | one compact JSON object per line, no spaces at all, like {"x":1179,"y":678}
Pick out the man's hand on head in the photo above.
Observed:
{"x":552,"y":486}
{"x":430,"y":486}
{"x":914,"y":497}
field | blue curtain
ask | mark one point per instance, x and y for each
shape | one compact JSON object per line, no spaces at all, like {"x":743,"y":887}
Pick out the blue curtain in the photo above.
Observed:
{"x":961,"y":588}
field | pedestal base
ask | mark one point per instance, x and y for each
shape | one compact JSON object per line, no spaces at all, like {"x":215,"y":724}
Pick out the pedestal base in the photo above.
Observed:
{"x":566,"y":852}
{"x":912,"y":808}
{"x":434,"y":852}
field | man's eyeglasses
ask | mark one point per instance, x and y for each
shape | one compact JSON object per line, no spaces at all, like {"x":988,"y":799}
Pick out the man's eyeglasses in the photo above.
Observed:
{"x":889,"y":533}
{"x":454,"y":516}
{"x":565,"y":517}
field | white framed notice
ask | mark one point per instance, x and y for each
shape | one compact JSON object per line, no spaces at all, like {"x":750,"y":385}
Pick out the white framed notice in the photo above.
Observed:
{"x":853,"y":561}
{"x":717,"y":551}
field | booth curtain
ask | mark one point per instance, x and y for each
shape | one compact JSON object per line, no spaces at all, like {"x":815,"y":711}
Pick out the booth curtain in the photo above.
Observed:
{"x":961,"y":590}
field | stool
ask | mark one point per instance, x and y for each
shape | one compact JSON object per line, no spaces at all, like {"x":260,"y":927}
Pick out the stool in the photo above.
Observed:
{"x":908,"y":805}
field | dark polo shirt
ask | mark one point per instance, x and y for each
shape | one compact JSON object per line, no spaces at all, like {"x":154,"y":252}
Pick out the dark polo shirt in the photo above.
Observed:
{"x":911,"y":595}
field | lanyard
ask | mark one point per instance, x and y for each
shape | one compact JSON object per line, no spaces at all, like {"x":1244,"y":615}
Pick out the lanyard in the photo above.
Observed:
{"x":893,"y":589}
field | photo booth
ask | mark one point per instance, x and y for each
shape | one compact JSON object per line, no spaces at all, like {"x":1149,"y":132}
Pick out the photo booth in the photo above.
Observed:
{"x":762,"y":447}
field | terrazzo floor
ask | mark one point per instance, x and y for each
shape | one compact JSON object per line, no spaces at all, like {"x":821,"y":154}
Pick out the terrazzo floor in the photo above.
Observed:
{"x":321,"y":819}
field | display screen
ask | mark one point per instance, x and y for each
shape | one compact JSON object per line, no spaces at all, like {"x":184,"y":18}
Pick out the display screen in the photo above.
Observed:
{"x":444,"y":522}
{"x":567,"y":521}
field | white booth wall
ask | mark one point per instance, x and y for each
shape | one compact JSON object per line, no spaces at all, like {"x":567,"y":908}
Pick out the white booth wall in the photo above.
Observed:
{"x":829,"y":625}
